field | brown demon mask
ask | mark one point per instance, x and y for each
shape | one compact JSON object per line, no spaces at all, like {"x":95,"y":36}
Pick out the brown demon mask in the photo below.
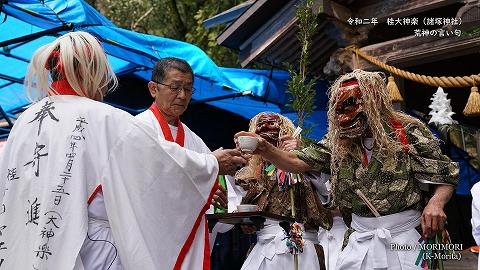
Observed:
{"x":349,"y":114}
{"x":268,"y":127}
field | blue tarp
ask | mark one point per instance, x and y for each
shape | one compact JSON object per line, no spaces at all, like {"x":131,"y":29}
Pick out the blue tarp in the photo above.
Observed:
{"x":130,"y":52}
{"x":469,"y":176}
{"x":134,"y":53}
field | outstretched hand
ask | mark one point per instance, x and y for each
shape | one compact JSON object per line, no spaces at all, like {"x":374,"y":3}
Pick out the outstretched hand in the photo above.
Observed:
{"x":288,"y":143}
{"x":230,"y":160}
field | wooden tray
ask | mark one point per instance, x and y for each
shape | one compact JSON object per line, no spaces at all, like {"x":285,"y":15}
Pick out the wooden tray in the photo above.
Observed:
{"x":257,"y":218}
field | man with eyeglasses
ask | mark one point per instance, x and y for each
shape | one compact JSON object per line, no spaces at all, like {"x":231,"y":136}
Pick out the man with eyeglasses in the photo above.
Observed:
{"x":172,"y":88}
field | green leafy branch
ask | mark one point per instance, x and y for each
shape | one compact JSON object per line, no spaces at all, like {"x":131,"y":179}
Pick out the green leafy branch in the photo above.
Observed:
{"x":299,"y":86}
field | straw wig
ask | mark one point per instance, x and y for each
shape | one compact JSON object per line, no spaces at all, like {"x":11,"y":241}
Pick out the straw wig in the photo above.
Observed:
{"x":286,"y":128}
{"x":378,"y":108}
{"x":81,"y":61}
{"x":286,"y":125}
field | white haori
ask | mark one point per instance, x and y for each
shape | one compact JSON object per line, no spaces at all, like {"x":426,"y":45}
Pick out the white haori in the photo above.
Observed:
{"x":60,"y":150}
{"x":271,"y":252}
{"x":380,"y":243}
{"x":196,"y":256}
{"x":331,"y":241}
{"x":195,"y":143}
{"x":476,"y":215}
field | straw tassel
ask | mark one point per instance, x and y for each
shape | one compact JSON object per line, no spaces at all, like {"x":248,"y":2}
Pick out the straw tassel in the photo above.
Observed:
{"x":393,"y":90}
{"x":473,"y":104}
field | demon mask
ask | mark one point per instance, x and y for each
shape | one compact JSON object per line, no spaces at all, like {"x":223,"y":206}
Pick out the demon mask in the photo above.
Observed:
{"x":349,"y":113}
{"x":268,"y":127}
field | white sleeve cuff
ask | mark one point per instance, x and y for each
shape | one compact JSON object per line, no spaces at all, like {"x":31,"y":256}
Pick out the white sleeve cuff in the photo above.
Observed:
{"x":321,"y":182}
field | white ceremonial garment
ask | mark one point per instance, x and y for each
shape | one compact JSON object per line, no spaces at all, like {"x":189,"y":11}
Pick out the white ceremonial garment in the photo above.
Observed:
{"x":476,"y":215}
{"x":370,"y":245}
{"x":98,"y":252}
{"x":60,"y":150}
{"x":196,"y":255}
{"x":332,"y":241}
{"x":234,"y":194}
{"x":271,"y":252}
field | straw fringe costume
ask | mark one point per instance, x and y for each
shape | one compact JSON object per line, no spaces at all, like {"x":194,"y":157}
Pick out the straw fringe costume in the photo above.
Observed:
{"x":271,"y":252}
{"x":403,"y":154}
{"x":392,"y":185}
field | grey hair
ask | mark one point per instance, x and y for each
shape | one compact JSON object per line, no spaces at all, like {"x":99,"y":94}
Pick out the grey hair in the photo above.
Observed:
{"x":164,"y":65}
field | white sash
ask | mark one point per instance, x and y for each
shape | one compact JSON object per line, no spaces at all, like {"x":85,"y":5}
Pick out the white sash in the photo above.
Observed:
{"x":273,"y":237}
{"x":369,"y":246}
{"x":271,"y":252}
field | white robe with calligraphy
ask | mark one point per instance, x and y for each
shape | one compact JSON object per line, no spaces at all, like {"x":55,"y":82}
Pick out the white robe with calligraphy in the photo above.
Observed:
{"x":60,"y":150}
{"x":195,"y":256}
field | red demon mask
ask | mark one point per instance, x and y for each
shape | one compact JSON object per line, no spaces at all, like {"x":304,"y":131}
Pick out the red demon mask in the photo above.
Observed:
{"x":268,"y":127}
{"x":349,"y":113}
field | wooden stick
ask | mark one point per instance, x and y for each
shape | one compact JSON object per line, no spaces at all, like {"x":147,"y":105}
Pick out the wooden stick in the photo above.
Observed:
{"x":368,"y":203}
{"x":295,"y":261}
{"x":297,"y":132}
{"x":478,"y":146}
{"x":292,"y":202}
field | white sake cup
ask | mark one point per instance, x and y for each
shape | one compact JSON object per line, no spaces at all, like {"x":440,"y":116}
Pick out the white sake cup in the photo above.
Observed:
{"x":247,"y":144}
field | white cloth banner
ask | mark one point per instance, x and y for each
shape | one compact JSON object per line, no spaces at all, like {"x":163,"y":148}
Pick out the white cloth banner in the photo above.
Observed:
{"x":60,"y":150}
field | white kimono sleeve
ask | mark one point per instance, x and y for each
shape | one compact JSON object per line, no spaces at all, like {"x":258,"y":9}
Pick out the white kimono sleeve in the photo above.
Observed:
{"x":321,"y":182}
{"x":476,"y":212}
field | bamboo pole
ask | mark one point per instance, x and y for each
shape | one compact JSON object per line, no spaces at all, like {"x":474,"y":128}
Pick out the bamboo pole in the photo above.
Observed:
{"x":478,"y":147}
{"x":292,"y":203}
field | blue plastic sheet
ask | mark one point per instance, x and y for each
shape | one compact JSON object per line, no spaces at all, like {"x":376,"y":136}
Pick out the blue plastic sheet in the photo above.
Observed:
{"x":131,"y":53}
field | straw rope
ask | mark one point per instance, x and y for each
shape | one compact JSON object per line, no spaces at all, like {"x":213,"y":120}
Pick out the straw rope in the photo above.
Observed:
{"x":443,"y":81}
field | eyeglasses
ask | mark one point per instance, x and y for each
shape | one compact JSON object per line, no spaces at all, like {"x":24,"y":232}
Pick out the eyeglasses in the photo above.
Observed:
{"x":176,"y":88}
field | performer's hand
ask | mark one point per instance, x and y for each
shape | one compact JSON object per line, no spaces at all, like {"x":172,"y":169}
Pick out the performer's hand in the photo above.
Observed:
{"x":248,"y":229}
{"x":229,"y":160}
{"x":220,"y":198}
{"x":262,"y":143}
{"x":433,"y":217}
{"x":288,"y":143}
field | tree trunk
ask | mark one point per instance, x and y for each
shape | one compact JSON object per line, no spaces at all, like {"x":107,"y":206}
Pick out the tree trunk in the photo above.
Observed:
{"x":177,"y":20}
